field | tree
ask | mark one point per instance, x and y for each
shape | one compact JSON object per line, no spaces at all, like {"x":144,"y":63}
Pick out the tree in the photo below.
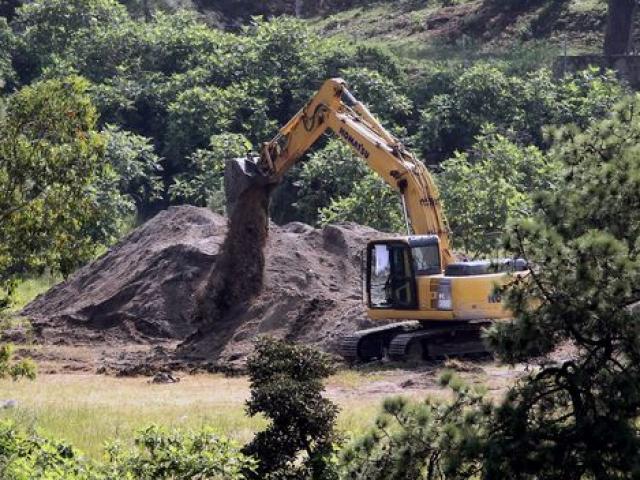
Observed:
{"x":576,"y":417}
{"x":50,"y":153}
{"x":328,"y":174}
{"x":286,"y":387}
{"x":485,"y":94}
{"x":573,"y":416}
{"x":490,"y":184}
{"x":618,"y":36}
{"x":203,"y":181}
{"x":371,"y":202}
{"x":136,"y":165}
{"x":430,"y":439}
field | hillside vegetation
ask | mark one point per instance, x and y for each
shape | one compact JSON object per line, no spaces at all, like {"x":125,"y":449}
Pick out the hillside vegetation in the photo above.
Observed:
{"x":427,"y":28}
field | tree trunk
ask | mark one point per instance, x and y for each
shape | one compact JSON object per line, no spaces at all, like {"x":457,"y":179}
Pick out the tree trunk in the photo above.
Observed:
{"x":619,"y":33}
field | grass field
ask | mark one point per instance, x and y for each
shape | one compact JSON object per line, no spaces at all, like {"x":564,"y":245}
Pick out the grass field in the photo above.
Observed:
{"x":88,"y":410}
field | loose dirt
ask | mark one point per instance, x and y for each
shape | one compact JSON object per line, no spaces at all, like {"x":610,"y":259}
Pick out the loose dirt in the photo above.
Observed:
{"x":145,"y":291}
{"x":238,"y":273}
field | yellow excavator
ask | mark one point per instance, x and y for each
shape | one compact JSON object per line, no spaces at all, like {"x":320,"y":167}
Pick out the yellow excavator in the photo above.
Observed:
{"x":444,"y":303}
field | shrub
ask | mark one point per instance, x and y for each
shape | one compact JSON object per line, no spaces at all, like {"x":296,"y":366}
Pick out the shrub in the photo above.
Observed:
{"x":430,"y":439}
{"x":286,"y":387}
{"x":160,"y":454}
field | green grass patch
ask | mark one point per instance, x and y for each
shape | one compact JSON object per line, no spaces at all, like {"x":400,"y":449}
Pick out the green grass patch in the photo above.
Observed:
{"x":30,"y":288}
{"x":90,"y":410}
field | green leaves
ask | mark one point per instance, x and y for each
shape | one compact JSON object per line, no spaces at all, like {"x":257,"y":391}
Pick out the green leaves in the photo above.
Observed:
{"x":174,"y":455}
{"x":202,"y":182}
{"x":49,"y":156}
{"x":483,"y":94}
{"x":157,"y":454}
{"x":427,"y":439}
{"x":577,"y":417}
{"x":492,"y":183}
{"x":286,"y":386}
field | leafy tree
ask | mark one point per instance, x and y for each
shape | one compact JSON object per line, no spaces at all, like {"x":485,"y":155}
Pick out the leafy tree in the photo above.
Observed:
{"x":576,"y":417}
{"x":386,"y":97}
{"x":202,"y":182}
{"x":50,"y":153}
{"x":485,"y":94}
{"x":328,"y":174}
{"x":488,"y":185}
{"x":46,"y":28}
{"x":371,"y":202}
{"x":429,"y":440}
{"x":286,"y":387}
{"x":136,"y":165}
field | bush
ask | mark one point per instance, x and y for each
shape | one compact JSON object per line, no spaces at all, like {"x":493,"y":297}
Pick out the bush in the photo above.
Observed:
{"x":286,"y":387}
{"x":432,"y":440}
{"x":158,"y":454}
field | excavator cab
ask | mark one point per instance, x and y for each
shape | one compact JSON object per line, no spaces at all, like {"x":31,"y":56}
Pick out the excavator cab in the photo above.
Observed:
{"x":390,"y":276}
{"x":393,"y":266}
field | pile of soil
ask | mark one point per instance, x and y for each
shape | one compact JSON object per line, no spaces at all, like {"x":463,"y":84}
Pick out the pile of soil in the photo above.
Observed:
{"x":145,"y":290}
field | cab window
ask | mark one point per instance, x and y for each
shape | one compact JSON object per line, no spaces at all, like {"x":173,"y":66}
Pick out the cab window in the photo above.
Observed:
{"x":390,"y":277}
{"x":426,"y":260}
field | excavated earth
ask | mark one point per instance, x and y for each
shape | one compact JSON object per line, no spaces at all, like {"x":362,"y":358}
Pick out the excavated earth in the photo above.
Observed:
{"x":144,"y":292}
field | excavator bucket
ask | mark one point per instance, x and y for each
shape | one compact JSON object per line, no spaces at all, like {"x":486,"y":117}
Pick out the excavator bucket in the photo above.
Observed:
{"x":241,"y":175}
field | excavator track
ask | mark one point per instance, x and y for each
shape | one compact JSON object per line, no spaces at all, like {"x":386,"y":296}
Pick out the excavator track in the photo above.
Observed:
{"x":414,"y":341}
{"x":372,"y":344}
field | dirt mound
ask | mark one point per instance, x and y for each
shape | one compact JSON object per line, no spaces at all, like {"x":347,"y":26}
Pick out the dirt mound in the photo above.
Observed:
{"x":143,"y":290}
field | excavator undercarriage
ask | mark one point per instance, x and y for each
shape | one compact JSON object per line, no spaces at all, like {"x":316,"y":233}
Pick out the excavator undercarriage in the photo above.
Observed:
{"x":414,"y":342}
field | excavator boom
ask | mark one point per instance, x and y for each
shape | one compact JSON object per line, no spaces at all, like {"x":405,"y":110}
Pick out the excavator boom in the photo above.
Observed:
{"x":335,"y":108}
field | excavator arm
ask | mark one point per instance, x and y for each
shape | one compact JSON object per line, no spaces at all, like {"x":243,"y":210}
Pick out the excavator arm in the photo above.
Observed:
{"x":334,"y":108}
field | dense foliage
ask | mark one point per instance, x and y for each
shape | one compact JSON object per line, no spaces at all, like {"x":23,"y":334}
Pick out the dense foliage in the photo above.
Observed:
{"x":157,"y":454}
{"x":577,"y":418}
{"x":50,"y":157}
{"x":181,"y":92}
{"x":493,"y":182}
{"x":485,"y":94}
{"x":422,"y":440}
{"x":575,"y":415}
{"x":286,"y":387}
